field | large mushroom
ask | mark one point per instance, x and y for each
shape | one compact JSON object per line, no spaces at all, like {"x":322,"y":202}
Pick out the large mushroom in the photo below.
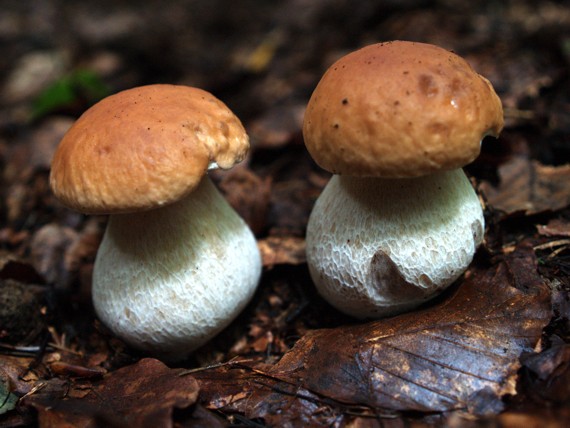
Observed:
{"x":398,"y":221}
{"x":176,"y":264}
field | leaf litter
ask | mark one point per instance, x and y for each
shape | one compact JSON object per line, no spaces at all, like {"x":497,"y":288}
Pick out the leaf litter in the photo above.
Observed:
{"x":142,"y":394}
{"x":461,"y":353}
{"x":497,"y":342}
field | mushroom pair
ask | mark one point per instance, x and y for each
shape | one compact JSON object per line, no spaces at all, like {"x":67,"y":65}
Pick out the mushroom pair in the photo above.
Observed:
{"x":176,"y":264}
{"x":398,"y":221}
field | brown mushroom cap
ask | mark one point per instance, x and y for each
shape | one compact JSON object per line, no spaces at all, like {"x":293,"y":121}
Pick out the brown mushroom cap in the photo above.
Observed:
{"x":143,"y":148}
{"x":400,"y":109}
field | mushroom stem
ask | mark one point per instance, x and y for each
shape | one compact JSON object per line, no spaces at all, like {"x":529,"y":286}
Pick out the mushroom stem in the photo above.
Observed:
{"x":167,"y":280}
{"x":377,"y":247}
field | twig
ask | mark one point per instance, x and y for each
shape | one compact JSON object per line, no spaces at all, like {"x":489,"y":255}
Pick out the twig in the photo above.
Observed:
{"x":552,"y":244}
{"x":214,"y":366}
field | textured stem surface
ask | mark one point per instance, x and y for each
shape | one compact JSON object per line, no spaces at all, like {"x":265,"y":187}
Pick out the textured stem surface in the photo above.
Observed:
{"x":167,"y":280}
{"x":377,"y":247}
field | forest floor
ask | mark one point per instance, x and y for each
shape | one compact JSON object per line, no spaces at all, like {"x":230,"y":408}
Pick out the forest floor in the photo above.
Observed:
{"x":494,"y":350}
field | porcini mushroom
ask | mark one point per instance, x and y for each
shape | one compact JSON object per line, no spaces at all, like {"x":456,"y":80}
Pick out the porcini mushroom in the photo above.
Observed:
{"x":398,"y":221}
{"x":176,"y":264}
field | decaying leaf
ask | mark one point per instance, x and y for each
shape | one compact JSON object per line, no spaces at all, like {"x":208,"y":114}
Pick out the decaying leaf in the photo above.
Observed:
{"x":277,"y":250}
{"x":57,"y":251}
{"x":548,"y":373}
{"x":283,"y":404}
{"x":527,"y":186}
{"x":555,"y":227}
{"x":48,"y":246}
{"x":291,"y":204}
{"x":277,"y":126}
{"x":248,"y":194}
{"x":543,"y":418}
{"x":143,"y":394}
{"x":17,"y":370}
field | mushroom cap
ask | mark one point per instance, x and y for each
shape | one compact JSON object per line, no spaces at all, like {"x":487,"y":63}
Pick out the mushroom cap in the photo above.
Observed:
{"x":143,"y":148}
{"x":400,"y":109}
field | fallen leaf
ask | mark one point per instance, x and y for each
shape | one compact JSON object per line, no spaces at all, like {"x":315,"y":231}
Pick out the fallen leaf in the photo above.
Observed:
{"x":224,"y":387}
{"x":547,"y":374}
{"x":8,"y":399}
{"x":540,"y":418}
{"x":17,"y":370}
{"x":248,"y":194}
{"x":561,"y":303}
{"x":462,"y":353}
{"x":291,"y":205}
{"x":283,"y":404}
{"x":250,"y":390}
{"x":62,"y":368}
{"x":555,"y":227}
{"x":47,"y":247}
{"x":279,"y":250}
{"x":529,"y":187}
{"x":143,"y":394}
{"x":277,"y":127}
{"x":57,"y":251}
{"x":527,"y":417}
{"x":35,"y":151}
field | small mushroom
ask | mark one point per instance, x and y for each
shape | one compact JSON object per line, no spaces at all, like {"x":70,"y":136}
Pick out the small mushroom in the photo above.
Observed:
{"x":176,"y":264}
{"x":399,"y":221}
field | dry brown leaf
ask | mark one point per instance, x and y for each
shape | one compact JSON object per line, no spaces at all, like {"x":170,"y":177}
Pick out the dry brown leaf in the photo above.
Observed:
{"x":277,"y":127}
{"x":555,"y":227}
{"x":462,"y":353}
{"x":143,"y":394}
{"x":278,"y":250}
{"x":527,"y":186}
{"x":286,"y":405}
{"x":527,"y":417}
{"x":59,"y":252}
{"x":62,"y":368}
{"x":291,"y":204}
{"x":248,"y":194}
{"x":548,"y":374}
{"x":542,"y":418}
{"x":225,"y":387}
{"x":47,"y":247}
{"x":16,"y":368}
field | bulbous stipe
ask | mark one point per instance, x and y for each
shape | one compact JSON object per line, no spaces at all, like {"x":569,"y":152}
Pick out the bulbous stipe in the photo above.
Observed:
{"x":378,"y":247}
{"x":168,"y":280}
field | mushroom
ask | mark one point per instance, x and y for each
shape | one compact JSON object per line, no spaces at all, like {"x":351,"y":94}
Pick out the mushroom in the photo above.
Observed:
{"x":176,"y":264}
{"x":398,"y":221}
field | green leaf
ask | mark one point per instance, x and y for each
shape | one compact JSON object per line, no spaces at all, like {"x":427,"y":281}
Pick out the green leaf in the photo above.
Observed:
{"x":57,"y":95}
{"x":90,"y":84}
{"x":7,"y":399}
{"x":79,"y":86}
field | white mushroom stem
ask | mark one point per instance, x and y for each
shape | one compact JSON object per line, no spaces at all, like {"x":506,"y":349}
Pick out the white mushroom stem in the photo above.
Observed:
{"x":169,"y":279}
{"x":378,"y":247}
